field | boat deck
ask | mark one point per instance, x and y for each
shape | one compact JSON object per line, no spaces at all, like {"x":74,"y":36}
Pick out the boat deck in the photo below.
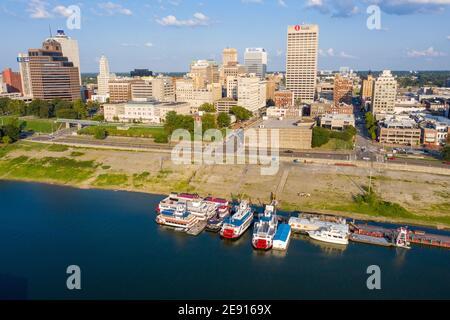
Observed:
{"x":370,"y":240}
{"x":197,"y":228}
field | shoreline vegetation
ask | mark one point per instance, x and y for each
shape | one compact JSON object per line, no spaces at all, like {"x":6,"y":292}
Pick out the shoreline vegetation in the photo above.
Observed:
{"x":90,"y":169}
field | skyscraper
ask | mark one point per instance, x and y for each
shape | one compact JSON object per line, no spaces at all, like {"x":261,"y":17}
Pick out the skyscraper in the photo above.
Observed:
{"x":103,"y":77}
{"x":204,"y":72}
{"x":52,"y":75}
{"x":343,"y":90}
{"x":384,"y":93}
{"x":25,"y":76}
{"x":69,"y":49}
{"x":255,"y":60}
{"x":301,"y":61}
{"x":229,"y":55}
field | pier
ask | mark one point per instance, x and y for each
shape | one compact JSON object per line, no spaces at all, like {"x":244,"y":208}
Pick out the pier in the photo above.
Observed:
{"x":197,"y":228}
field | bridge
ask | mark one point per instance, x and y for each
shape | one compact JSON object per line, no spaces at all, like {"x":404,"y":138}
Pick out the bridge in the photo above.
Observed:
{"x":78,"y":123}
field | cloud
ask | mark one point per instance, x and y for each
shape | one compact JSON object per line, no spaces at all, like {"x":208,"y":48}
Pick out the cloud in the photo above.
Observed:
{"x":430,"y":52}
{"x":38,"y":9}
{"x":346,"y":55}
{"x":252,"y":1}
{"x":198,"y":19}
{"x":448,"y":37}
{"x":335,"y":8}
{"x":148,"y":44}
{"x":331,"y":53}
{"x":282,"y":3}
{"x":111,"y":9}
{"x":62,"y":11}
{"x":136,"y":45}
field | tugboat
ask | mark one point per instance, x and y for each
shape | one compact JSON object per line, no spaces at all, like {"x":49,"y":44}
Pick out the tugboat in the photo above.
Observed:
{"x":265,"y":228}
{"x":402,"y":240}
{"x":234,"y":227}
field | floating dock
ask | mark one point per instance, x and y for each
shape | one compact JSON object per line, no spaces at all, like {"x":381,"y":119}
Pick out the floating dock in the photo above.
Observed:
{"x":197,"y":228}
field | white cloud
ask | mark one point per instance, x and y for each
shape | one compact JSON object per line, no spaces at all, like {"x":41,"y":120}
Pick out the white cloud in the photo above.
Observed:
{"x":38,"y":9}
{"x":346,"y":55}
{"x":62,"y":11}
{"x":136,"y":45}
{"x":282,"y":3}
{"x":148,"y":44}
{"x":198,"y":19}
{"x":430,"y":52}
{"x":331,"y":53}
{"x":252,"y":1}
{"x":448,"y":37}
{"x":110,"y":8}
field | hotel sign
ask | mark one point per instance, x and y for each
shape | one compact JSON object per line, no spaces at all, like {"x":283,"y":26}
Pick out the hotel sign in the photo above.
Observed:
{"x":23,"y":59}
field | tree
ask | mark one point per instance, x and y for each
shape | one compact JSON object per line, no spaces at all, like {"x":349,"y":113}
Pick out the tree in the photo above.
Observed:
{"x":371,"y":125}
{"x":241,"y":113}
{"x":17,"y":107}
{"x":320,"y":137}
{"x":100,"y":133}
{"x":80,"y":108}
{"x":207,"y":107}
{"x":4,"y":105}
{"x":13,"y":129}
{"x":446,"y":153}
{"x":35,"y":106}
{"x":175,"y":121}
{"x":67,"y":114}
{"x":208,"y":122}
{"x":6,"y":140}
{"x":223,"y":120}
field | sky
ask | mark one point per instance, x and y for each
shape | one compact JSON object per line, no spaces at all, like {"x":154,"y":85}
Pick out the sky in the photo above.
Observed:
{"x":166,"y":35}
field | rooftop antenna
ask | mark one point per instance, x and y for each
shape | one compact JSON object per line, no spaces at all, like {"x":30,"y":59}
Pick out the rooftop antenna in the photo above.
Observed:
{"x":50,"y":30}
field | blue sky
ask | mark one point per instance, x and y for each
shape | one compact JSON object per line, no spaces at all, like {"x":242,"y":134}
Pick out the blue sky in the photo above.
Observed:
{"x":165,"y":35}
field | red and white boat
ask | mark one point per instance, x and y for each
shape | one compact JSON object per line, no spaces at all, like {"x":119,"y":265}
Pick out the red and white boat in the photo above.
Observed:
{"x":234,"y":227}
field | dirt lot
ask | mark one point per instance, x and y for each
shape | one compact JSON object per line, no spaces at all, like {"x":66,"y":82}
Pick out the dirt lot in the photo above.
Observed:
{"x":314,"y":187}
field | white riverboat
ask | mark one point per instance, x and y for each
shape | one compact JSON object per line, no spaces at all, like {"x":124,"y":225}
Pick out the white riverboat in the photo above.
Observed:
{"x":330,"y":235}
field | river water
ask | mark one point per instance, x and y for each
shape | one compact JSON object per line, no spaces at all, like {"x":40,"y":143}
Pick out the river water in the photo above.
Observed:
{"x":124,"y":254}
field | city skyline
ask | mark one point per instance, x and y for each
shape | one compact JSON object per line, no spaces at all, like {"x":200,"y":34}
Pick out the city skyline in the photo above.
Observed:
{"x":150,"y":35}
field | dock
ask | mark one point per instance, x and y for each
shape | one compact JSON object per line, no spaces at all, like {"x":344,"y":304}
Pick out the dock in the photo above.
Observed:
{"x":197,"y":228}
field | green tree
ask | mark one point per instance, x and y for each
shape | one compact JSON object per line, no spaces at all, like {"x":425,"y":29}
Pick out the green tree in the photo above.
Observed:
{"x":320,"y":136}
{"x":80,"y":108}
{"x":207,"y":107}
{"x":35,"y":106}
{"x":12,"y":129}
{"x":17,"y":107}
{"x":208,"y":122}
{"x":446,"y":153}
{"x":4,"y":105}
{"x":6,"y":140}
{"x":67,"y":114}
{"x":100,"y":133}
{"x":175,"y":121}
{"x":241,"y":113}
{"x":371,"y":125}
{"x":223,"y":120}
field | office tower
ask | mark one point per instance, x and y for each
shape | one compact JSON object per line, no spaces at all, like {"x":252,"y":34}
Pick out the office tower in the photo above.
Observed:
{"x":25,"y":76}
{"x":70,"y":49}
{"x":232,"y":87}
{"x":343,"y":90}
{"x":160,"y":89}
{"x":229,"y":56}
{"x":301,"y":61}
{"x":120,"y":90}
{"x":141,"y":73}
{"x":255,"y":60}
{"x":187,"y":92}
{"x":12,"y":80}
{"x":103,"y":77}
{"x":204,"y":72}
{"x":367,"y":87}
{"x":251,"y":93}
{"x":52,"y":75}
{"x":384,"y":93}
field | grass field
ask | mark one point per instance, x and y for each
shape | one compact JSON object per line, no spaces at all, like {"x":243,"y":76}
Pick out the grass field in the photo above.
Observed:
{"x":135,"y":132}
{"x":36,"y":125}
{"x":337,"y":144}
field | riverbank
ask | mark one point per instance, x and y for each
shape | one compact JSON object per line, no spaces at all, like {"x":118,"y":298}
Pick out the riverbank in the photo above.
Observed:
{"x":306,"y":187}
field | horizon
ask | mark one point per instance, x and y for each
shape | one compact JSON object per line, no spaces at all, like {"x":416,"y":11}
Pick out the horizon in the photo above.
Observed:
{"x":147,"y":35}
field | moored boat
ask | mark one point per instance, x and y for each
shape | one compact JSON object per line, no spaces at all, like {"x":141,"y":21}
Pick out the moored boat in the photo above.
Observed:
{"x":265,"y":228}
{"x":330,"y":235}
{"x":179,"y":218}
{"x":282,"y":237}
{"x":234,"y":227}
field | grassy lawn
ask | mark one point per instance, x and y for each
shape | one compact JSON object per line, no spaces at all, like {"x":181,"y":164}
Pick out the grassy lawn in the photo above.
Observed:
{"x":109,"y":179}
{"x":337,"y":144}
{"x":47,"y":169}
{"x":135,"y":132}
{"x":36,"y":125}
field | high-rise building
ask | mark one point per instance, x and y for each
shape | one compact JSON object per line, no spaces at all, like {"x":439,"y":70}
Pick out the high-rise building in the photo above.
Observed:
{"x":25,"y":76}
{"x":70,"y":49}
{"x":232,"y":87}
{"x":255,"y":60}
{"x":204,"y":72}
{"x":384,"y":94}
{"x":367,"y":87}
{"x":343,"y":90}
{"x":12,"y":80}
{"x":251,"y":93}
{"x":231,"y":70}
{"x":160,"y":89}
{"x":120,"y":90}
{"x":187,"y":92}
{"x":229,"y":55}
{"x":103,"y":77}
{"x":301,"y":61}
{"x":52,"y":75}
